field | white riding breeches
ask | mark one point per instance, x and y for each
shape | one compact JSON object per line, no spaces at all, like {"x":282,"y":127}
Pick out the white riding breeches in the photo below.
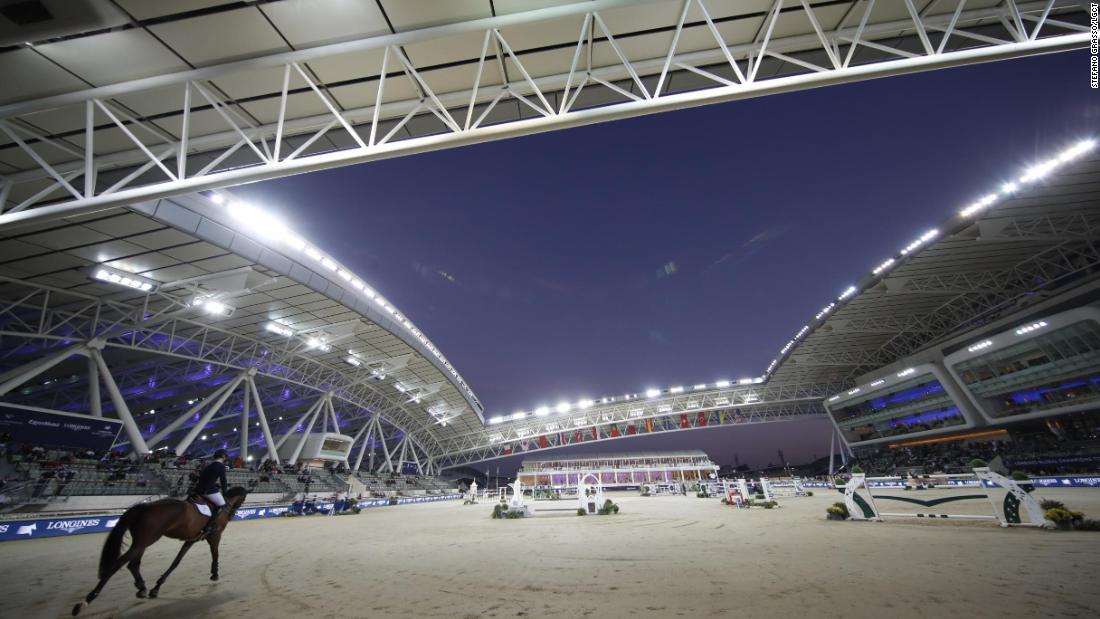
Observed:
{"x":215,"y":498}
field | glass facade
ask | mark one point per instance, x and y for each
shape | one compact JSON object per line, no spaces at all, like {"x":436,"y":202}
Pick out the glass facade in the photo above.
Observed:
{"x":916,"y":405}
{"x":1048,"y":371}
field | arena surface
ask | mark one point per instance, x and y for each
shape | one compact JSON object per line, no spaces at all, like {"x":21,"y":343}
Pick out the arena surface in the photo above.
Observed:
{"x":660,"y":557}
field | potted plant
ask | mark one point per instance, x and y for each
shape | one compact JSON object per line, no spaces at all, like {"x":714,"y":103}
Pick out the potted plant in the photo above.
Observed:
{"x":837,"y":511}
{"x":581,"y":511}
{"x":1063,"y":519}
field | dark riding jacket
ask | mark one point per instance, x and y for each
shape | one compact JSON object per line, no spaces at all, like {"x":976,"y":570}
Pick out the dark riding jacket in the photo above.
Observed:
{"x":211,"y":476}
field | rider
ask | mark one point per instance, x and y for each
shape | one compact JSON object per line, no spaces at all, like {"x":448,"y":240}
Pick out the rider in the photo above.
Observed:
{"x":210,"y":485}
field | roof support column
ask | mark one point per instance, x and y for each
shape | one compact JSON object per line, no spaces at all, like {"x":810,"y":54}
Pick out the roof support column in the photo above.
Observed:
{"x":137,"y":443}
{"x":39,"y":366}
{"x":363,"y":448}
{"x":179,"y":421}
{"x":95,"y":401}
{"x":246,"y":397}
{"x":182,"y":446}
{"x":282,"y":440}
{"x":272,"y":452}
{"x":318,"y":411}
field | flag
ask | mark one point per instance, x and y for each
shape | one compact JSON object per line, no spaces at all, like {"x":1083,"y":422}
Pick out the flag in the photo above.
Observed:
{"x":595,"y":433}
{"x":701,"y":420}
{"x":543,"y":443}
{"x":631,"y":429}
{"x":577,"y":436}
{"x":722,"y":416}
{"x":614,"y":431}
{"x":684,"y":422}
{"x":507,"y":450}
{"x":648,"y":425}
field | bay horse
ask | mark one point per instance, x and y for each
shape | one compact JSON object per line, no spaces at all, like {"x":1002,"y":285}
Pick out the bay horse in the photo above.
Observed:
{"x":147,"y":523}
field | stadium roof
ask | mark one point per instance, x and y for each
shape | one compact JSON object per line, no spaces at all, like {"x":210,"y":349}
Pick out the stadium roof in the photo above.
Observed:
{"x":111,"y":120}
{"x":113,"y":103}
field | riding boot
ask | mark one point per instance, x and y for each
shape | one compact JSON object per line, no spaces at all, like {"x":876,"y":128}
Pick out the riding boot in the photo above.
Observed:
{"x":213,"y":522}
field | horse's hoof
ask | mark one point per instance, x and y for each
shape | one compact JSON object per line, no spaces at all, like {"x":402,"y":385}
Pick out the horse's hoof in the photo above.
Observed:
{"x":79,"y":607}
{"x":142,"y":593}
{"x":153,"y":594}
{"x":213,"y":577}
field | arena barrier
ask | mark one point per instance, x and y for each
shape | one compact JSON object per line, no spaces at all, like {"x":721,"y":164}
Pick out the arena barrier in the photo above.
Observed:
{"x":1003,"y":495}
{"x":11,"y":530}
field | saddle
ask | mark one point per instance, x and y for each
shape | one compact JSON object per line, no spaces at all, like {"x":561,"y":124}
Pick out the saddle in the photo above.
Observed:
{"x":200,"y":503}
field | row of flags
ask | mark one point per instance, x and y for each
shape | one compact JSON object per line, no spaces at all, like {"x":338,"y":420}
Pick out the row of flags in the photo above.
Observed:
{"x":628,"y":429}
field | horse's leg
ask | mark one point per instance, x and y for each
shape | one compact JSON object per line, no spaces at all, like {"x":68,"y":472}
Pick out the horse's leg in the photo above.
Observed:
{"x":175,"y":562}
{"x":135,"y":569}
{"x":126,"y":557}
{"x":214,"y":541}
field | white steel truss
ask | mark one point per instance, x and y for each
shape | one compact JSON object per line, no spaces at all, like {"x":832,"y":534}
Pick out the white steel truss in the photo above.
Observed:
{"x":66,"y":173}
{"x":44,"y":314}
{"x":775,"y":401}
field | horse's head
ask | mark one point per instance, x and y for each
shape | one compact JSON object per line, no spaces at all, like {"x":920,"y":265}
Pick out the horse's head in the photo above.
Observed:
{"x":234,"y":497}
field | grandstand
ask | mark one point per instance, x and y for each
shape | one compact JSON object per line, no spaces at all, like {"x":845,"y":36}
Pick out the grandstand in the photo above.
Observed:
{"x":618,"y":469}
{"x":149,"y":315}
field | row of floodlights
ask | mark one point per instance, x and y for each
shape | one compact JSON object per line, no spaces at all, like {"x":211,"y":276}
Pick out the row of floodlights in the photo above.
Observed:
{"x":272,"y":228}
{"x":565,"y":407}
{"x":1032,"y":174}
{"x":128,"y":280}
{"x":634,"y":413}
{"x":881,"y":381}
{"x":982,"y":345}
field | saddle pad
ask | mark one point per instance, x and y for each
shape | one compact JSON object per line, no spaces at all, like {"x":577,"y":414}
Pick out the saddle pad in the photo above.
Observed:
{"x":203,"y":509}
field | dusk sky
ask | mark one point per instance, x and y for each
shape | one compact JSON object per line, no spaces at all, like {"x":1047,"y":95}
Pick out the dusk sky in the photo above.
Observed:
{"x":683,"y":247}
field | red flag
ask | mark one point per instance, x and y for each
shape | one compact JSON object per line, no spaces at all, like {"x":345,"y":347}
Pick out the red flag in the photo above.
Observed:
{"x":577,"y":436}
{"x":631,"y":430}
{"x":595,"y":433}
{"x":701,"y":420}
{"x":684,"y":422}
{"x":507,"y":450}
{"x":543,"y":443}
{"x":614,"y":431}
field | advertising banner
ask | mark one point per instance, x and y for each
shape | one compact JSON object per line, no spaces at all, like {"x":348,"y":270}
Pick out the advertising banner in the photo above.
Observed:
{"x":57,"y":428}
{"x":11,"y":530}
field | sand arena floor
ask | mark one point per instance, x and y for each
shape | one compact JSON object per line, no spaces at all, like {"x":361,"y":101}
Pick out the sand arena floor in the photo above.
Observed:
{"x":660,"y":557}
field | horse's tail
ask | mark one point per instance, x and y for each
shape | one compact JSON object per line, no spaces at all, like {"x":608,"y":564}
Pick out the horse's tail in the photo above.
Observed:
{"x":112,"y":548}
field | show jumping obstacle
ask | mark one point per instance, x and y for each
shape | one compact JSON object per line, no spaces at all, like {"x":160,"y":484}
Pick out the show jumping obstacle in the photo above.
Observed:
{"x":1004,"y":496}
{"x":589,"y":497}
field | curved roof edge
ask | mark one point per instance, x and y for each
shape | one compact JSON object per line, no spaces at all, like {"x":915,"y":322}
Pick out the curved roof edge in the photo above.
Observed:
{"x":263,"y":238}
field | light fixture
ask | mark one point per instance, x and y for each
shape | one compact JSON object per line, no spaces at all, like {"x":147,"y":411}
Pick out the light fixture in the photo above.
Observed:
{"x":122,"y":278}
{"x":886,"y":264}
{"x":878,"y":382}
{"x":212,"y":307}
{"x":722,"y":384}
{"x":279,"y":329}
{"x":906,"y":372}
{"x":1031,"y":327}
{"x":563,"y":407}
{"x":979,"y":346}
{"x":677,"y":389}
{"x":652,"y":393}
{"x":353,"y":361}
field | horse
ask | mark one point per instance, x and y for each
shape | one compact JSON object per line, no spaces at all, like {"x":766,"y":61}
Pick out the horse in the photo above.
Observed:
{"x":147,"y":523}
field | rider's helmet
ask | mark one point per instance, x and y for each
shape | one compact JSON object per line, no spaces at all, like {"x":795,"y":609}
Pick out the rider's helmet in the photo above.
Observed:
{"x":221,"y":453}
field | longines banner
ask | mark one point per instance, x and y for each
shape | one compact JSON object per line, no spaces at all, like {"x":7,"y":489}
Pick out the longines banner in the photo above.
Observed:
{"x":55,"y":527}
{"x":42,"y":428}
